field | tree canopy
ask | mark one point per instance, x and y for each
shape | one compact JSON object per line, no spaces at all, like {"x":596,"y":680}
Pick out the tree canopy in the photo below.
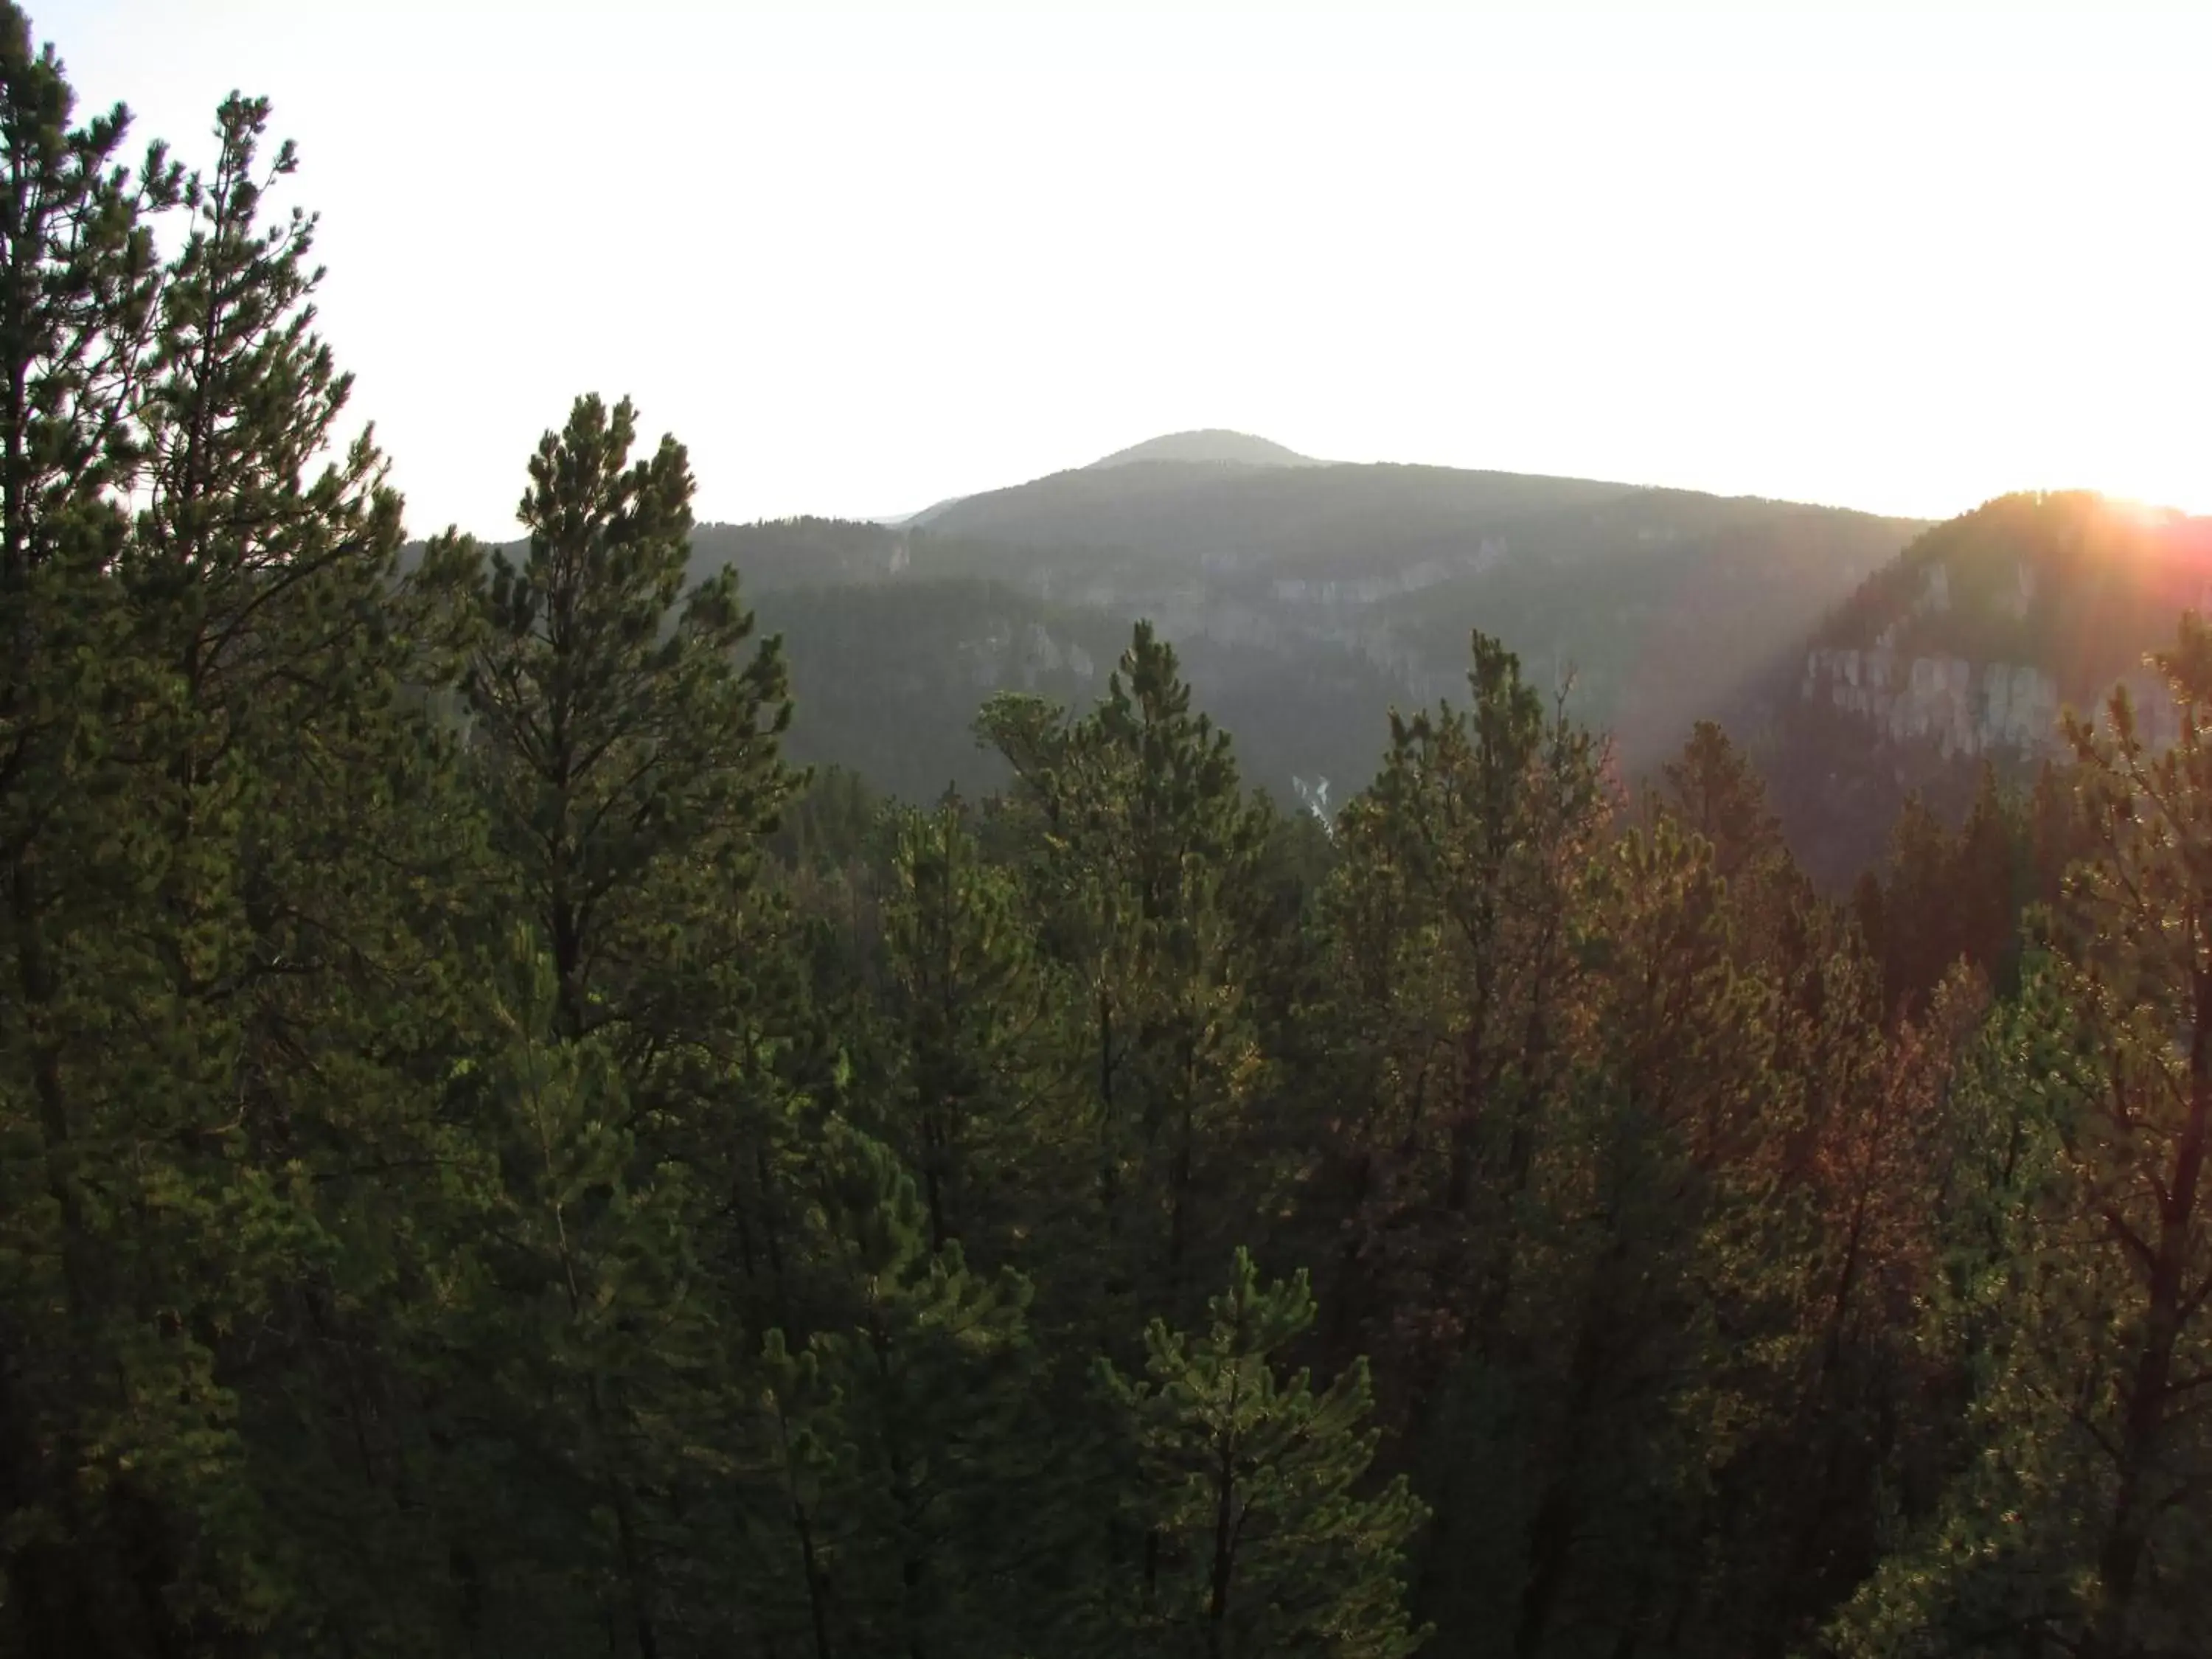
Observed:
{"x":495,"y":1159}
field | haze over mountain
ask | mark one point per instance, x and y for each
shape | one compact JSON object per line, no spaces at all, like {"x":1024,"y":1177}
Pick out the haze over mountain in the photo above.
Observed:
{"x":1865,"y":661}
{"x":1965,"y":652}
{"x":1308,"y":598}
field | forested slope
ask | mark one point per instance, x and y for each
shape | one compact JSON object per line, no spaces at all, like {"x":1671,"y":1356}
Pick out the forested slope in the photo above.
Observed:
{"x":1662,"y":604}
{"x":1963,"y":654}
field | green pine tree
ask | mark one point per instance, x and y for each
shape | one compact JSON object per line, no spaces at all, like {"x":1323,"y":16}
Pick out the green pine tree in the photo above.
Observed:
{"x":970,"y":1001}
{"x":1256,"y":1537}
{"x":2078,"y":1526}
{"x":1142,"y":853}
{"x":78,"y":282}
{"x":631,"y":758}
{"x":315,"y":843}
{"x":628,"y":758}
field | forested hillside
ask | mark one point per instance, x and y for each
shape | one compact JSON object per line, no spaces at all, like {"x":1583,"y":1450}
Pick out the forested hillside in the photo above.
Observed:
{"x":896,"y":639}
{"x":1962,"y":655}
{"x":1660,"y":604}
{"x":1304,"y":597}
{"x":495,"y":1159}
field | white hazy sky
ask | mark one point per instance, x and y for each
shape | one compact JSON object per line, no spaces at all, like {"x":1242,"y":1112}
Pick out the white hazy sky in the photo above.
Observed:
{"x":1895,"y":256}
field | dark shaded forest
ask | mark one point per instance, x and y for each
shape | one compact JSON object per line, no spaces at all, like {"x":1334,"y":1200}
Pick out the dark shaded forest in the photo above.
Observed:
{"x":496,"y":1160}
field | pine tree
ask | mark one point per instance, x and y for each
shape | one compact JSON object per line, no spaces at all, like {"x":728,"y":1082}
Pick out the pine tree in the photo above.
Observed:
{"x":1141,"y":851}
{"x":630,"y":765}
{"x":1256,"y":1539}
{"x":313,"y":841}
{"x":2079,"y":1526}
{"x":77,"y":281}
{"x":631,"y":759}
{"x":796,"y":1417}
{"x":1991,"y":882}
{"x":948,"y":1501}
{"x":1714,"y":791}
{"x":969,"y":1000}
{"x":222,"y":897}
{"x":478,"y":1174}
{"x":1452,"y":924}
{"x":2140,"y":952}
{"x":1920,"y":932}
{"x":579,"y":1325}
{"x":903,"y":1484}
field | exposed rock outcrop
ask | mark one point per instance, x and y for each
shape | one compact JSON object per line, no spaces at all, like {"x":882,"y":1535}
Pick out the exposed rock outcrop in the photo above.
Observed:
{"x":1965,"y":708}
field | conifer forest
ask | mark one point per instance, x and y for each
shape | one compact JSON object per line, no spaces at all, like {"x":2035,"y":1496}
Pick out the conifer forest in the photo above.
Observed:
{"x":497,"y":1159}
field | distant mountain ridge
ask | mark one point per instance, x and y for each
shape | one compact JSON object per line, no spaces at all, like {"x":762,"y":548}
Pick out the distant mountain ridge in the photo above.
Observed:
{"x":1860,"y":659}
{"x":1305,"y":600}
{"x":1663,"y":603}
{"x":1209,"y":447}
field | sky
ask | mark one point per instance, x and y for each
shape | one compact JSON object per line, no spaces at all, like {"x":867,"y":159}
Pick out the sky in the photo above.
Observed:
{"x":1895,"y":256}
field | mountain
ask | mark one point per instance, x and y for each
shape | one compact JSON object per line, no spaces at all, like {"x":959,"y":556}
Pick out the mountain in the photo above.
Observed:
{"x":1965,"y":651}
{"x":1860,"y":659}
{"x":908,"y":519}
{"x":1305,"y":600}
{"x":895,"y":638}
{"x":1303,"y":597}
{"x":1213,"y":447}
{"x":1663,"y":603}
{"x":886,"y":680}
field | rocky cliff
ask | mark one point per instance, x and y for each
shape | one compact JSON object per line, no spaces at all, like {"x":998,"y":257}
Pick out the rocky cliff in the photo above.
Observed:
{"x":1967,"y":651}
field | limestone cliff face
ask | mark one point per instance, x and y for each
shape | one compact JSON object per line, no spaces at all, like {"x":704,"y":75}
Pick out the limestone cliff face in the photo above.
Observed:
{"x":1969,"y":706}
{"x":1965,"y":708}
{"x":1005,"y":655}
{"x":1968,"y":650}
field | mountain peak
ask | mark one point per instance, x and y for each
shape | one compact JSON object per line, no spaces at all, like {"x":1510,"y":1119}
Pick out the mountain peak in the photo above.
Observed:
{"x":1213,"y":447}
